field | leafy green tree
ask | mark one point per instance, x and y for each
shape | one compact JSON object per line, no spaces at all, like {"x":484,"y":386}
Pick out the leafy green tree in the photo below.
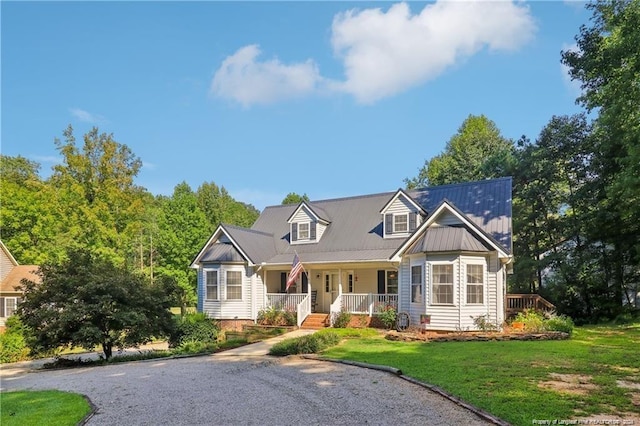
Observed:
{"x":220,"y":207}
{"x":293,"y":198}
{"x":99,"y":205}
{"x":88,"y":301}
{"x":27,"y":211}
{"x":606,"y":63}
{"x":477,"y":151}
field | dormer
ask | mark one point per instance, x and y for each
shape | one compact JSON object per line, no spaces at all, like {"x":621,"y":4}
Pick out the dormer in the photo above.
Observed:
{"x":401,"y":216}
{"x":307,"y":224}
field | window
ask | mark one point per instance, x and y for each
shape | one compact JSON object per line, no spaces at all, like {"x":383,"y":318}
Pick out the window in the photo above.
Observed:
{"x":234,"y":285}
{"x":211,"y":281}
{"x":416,"y":284}
{"x":400,"y":223}
{"x":475,"y":284}
{"x":303,"y":231}
{"x":392,"y":282}
{"x":443,"y":284}
{"x":350,"y":283}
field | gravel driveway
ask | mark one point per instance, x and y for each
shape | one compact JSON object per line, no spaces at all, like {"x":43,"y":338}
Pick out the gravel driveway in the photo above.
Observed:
{"x":215,"y":390}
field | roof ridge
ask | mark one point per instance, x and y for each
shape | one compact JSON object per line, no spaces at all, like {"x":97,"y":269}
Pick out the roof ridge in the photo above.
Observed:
{"x":311,"y":202}
{"x":450,"y":185}
{"x":242,"y":228}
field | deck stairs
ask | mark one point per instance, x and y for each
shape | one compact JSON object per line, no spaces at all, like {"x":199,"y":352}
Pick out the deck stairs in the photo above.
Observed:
{"x":316,"y":321}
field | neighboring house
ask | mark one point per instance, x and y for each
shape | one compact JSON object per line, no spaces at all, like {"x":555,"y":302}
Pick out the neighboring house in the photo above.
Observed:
{"x":10,"y":276}
{"x":441,"y":251}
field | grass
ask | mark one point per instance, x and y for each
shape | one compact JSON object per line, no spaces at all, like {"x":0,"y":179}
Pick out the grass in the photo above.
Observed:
{"x":53,"y":408}
{"x":504,"y":378}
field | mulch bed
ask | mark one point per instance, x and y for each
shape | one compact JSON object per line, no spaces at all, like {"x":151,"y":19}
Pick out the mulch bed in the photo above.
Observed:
{"x":473,"y":336}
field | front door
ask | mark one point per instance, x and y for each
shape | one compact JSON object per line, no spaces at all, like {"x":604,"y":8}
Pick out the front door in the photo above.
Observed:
{"x":331,"y":283}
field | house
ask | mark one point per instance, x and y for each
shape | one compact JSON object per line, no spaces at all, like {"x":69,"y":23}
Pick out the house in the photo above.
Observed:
{"x":11,"y":274}
{"x":441,"y":254}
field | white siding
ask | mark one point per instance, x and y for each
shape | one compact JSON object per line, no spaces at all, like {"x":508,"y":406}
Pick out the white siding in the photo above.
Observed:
{"x":444,"y":317}
{"x":303,"y":215}
{"x":320,"y":228}
{"x":228,"y":309}
{"x":470,"y":311}
{"x":404,"y":285}
{"x":400,"y":206}
{"x":447,"y":218}
{"x":6,"y":265}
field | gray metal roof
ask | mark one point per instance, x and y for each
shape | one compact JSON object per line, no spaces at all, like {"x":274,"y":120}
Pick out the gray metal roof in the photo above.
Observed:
{"x":355,"y":231}
{"x":447,"y":238}
{"x":221,"y":252}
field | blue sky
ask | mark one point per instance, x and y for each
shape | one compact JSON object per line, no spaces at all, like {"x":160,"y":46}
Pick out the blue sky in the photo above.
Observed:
{"x":264,"y":98}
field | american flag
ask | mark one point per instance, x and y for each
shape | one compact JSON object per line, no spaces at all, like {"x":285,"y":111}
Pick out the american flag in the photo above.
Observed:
{"x":296,"y":268}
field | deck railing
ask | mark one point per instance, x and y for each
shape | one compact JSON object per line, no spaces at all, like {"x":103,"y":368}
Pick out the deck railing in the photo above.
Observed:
{"x":519,"y":302}
{"x":300,"y":303}
{"x":368,"y":303}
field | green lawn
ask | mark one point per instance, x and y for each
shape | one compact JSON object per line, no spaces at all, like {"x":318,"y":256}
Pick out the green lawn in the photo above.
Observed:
{"x":52,"y":408}
{"x":508,"y":378}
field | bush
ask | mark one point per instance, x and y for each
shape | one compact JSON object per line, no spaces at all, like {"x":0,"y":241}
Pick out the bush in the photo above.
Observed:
{"x":533,"y":321}
{"x":560,"y":323}
{"x":309,"y":344}
{"x":388,"y":316}
{"x":13,"y":343}
{"x":194,"y":328}
{"x":194,"y":347}
{"x":275,"y":316}
{"x":342,"y":319}
{"x":482,"y":323}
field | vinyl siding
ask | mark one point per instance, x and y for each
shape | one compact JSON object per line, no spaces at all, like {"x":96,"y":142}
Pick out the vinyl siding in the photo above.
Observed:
{"x":401,"y":206}
{"x":444,"y":317}
{"x":5,"y":265}
{"x":227,"y":309}
{"x":470,"y":311}
{"x":446,"y":219}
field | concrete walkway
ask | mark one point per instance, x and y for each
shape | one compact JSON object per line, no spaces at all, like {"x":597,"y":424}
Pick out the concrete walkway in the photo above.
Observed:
{"x":253,"y":349}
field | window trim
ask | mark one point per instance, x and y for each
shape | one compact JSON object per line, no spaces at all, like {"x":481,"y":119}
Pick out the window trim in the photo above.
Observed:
{"x":308,"y":225}
{"x":481,"y":284}
{"x":226,"y":284}
{"x":206,"y":285}
{"x":386,"y":281}
{"x":406,"y":223}
{"x":453,"y":283}
{"x":421,"y":283}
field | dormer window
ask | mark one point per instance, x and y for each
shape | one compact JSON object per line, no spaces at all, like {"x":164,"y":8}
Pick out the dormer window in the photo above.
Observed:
{"x":400,"y":223}
{"x":303,"y":231}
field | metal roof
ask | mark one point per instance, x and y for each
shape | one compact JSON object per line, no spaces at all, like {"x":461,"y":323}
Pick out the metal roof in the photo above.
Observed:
{"x":355,"y":231}
{"x":447,"y":238}
{"x":221,"y":252}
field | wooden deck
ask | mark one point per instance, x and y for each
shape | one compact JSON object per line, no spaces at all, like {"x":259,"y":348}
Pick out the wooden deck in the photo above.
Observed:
{"x":519,"y":302}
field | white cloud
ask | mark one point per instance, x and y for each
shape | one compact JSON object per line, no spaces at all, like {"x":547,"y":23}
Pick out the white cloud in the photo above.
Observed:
{"x":572,"y":85}
{"x":246,"y":80}
{"x":384,"y":53}
{"x":47,"y":159}
{"x":387,"y":53}
{"x":148,"y":166}
{"x":86,"y":116}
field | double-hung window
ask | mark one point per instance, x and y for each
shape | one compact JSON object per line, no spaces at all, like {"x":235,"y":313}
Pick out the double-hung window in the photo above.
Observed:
{"x":416,"y":284}
{"x":211,"y":282}
{"x":400,"y":223}
{"x":392,"y":282}
{"x":303,"y":231}
{"x":442,"y":284}
{"x":475,"y":284}
{"x":234,"y":285}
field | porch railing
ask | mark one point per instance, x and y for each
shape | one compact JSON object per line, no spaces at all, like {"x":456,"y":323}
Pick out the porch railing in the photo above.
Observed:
{"x":519,"y":302}
{"x":368,"y":303}
{"x":300,"y":303}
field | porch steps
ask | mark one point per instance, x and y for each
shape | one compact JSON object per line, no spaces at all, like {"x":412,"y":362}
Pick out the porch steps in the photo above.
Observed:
{"x":316,"y":321}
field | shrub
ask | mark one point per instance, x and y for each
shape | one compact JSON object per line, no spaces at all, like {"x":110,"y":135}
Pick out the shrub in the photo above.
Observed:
{"x":13,"y":343}
{"x":194,"y":328}
{"x":274,"y":316}
{"x":309,"y":344}
{"x":533,"y":321}
{"x":560,"y":323}
{"x":482,"y":323}
{"x":194,"y":347}
{"x":342,"y":319}
{"x":388,"y":316}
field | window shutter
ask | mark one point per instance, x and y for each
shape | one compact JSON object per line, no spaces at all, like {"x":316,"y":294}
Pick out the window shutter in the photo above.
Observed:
{"x":1,"y":306}
{"x":294,"y":231}
{"x":283,"y":282}
{"x":381,"y":281}
{"x":388,"y":223}
{"x":312,"y":231}
{"x":413,"y":219}
{"x":305,"y":283}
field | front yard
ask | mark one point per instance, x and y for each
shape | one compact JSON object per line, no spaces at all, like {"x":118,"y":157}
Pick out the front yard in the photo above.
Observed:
{"x":595,"y":374}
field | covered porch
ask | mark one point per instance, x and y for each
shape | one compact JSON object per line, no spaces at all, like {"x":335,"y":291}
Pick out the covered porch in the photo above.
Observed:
{"x":329,"y":289}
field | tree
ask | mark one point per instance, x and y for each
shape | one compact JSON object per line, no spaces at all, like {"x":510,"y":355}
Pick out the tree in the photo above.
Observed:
{"x":98,"y":204}
{"x":606,"y":63}
{"x":88,"y":301}
{"x":220,"y":207}
{"x":477,"y":151}
{"x":293,"y":198}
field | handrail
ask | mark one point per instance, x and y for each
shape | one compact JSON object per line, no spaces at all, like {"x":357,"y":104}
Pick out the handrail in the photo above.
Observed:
{"x":520,"y":302}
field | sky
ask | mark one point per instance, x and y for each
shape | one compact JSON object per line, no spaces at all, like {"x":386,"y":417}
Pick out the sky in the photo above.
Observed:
{"x":329,"y":98}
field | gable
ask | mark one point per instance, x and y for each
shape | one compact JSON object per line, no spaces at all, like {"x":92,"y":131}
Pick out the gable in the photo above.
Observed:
{"x":306,"y":226}
{"x":401,"y":216}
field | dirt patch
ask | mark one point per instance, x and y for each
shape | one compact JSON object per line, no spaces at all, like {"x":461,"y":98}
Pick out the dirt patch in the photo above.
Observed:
{"x":627,"y":385}
{"x":576,"y":384}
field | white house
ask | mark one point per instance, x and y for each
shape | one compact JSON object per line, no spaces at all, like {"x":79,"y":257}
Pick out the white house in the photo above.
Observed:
{"x":440,"y":254}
